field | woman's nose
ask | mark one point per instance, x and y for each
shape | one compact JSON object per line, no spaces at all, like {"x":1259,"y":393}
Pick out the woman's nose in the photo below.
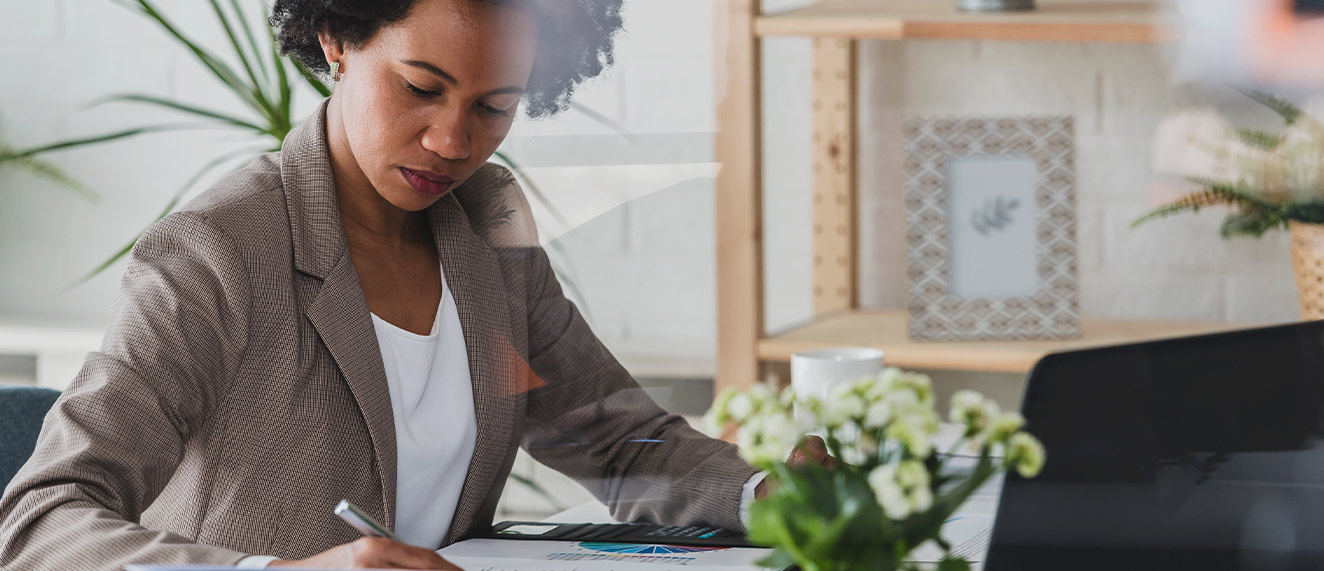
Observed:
{"x":449,"y":136}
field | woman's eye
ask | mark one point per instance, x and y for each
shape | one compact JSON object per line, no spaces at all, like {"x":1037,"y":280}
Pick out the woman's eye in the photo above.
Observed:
{"x":494,"y":110}
{"x":420,"y":92}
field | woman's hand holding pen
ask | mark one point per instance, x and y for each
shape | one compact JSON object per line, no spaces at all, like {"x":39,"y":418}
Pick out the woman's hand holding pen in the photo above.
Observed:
{"x":372,"y":553}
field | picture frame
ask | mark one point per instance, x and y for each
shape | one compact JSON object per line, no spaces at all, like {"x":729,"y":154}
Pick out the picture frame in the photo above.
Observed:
{"x":991,"y":228}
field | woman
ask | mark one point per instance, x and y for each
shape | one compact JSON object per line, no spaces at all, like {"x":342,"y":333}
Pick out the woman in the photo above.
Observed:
{"x":364,"y":315}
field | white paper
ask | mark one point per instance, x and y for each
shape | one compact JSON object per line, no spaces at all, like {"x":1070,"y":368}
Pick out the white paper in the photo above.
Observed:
{"x":526,"y":555}
{"x":968,"y":535}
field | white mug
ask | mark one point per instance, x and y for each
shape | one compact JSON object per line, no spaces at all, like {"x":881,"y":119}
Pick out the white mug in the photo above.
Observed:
{"x":814,"y":373}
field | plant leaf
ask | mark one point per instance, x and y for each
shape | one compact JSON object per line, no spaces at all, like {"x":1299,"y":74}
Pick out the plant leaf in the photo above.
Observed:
{"x":312,"y":79}
{"x":603,"y":119}
{"x":83,"y":142}
{"x":1285,"y":109}
{"x":169,"y":207}
{"x":247,"y":28}
{"x":49,"y":171}
{"x":219,"y":69}
{"x":1261,"y":140}
{"x":182,"y":107}
{"x":538,"y":489}
{"x":256,"y":84}
{"x":951,"y":563}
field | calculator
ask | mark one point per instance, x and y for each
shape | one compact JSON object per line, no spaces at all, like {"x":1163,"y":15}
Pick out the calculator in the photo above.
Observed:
{"x":694,"y":535}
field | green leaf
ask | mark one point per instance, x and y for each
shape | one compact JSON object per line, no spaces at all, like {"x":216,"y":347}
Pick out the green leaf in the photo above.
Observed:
{"x":1262,"y":140}
{"x":951,"y":563}
{"x":1254,"y":223}
{"x":49,"y":171}
{"x":1285,"y":109}
{"x":1310,"y":212}
{"x":98,"y":139}
{"x":219,"y":69}
{"x":779,"y":559}
{"x":312,"y":79}
{"x":182,"y":107}
{"x":256,"y":83}
{"x":247,"y":28}
{"x":169,"y":207}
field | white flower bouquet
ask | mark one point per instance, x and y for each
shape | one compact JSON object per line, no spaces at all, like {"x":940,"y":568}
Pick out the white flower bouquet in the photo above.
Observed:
{"x":888,"y":491}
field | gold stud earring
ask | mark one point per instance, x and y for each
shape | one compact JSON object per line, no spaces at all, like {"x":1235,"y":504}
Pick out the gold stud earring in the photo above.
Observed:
{"x":335,"y":70}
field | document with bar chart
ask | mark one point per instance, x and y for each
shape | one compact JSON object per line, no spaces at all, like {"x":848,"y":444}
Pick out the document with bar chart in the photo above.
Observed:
{"x":523,"y":555}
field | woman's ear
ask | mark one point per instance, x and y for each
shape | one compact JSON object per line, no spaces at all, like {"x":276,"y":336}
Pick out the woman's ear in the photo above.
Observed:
{"x":332,"y":49}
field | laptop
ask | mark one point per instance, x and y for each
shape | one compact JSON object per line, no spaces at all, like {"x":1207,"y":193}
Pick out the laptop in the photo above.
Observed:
{"x":1196,"y":453}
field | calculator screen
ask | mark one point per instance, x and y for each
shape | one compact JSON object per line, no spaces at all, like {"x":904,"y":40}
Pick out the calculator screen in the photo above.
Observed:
{"x":528,"y":529}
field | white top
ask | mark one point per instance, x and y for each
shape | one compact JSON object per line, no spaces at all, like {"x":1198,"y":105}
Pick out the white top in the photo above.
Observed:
{"x":435,"y":427}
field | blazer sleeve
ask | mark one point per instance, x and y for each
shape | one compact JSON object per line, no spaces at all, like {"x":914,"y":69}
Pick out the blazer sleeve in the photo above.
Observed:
{"x":114,"y":438}
{"x":590,"y":420}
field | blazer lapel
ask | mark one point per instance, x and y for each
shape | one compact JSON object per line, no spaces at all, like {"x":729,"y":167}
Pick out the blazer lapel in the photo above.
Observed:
{"x":339,"y":311}
{"x":340,"y":315}
{"x":496,"y":369}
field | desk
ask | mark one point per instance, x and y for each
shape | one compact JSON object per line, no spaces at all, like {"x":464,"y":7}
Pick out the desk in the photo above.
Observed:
{"x":59,"y":350}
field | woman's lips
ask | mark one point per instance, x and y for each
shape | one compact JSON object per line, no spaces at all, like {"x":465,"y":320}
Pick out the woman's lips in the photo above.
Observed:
{"x":427,"y":183}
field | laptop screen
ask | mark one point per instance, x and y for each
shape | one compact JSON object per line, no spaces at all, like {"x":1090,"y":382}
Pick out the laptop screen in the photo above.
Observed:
{"x":1198,"y":453}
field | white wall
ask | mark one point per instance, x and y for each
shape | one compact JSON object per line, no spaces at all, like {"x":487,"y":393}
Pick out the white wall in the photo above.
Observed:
{"x":646,"y":266}
{"x":642,"y":233}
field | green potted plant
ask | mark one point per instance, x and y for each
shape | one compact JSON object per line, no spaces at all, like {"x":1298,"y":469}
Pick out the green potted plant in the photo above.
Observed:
{"x":1268,"y":180}
{"x":889,"y":491}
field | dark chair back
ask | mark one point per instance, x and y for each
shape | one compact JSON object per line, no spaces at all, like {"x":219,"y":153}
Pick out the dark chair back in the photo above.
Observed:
{"x":21,"y":412}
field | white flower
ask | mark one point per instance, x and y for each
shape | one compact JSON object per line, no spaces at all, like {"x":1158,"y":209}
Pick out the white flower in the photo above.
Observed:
{"x":767,"y":438}
{"x":890,"y":495}
{"x":878,"y":415}
{"x":716,"y":418}
{"x":973,"y":410}
{"x":1004,"y":426}
{"x":963,"y":402}
{"x":1026,"y":453}
{"x":910,"y":432}
{"x":739,"y":407}
{"x":787,"y":398}
{"x":911,"y":474}
{"x":921,"y":499}
{"x":853,"y":455}
{"x":841,"y":407}
{"x":893,"y":380}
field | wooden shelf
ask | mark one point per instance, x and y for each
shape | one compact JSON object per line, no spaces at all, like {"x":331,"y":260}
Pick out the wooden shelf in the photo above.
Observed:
{"x":1053,"y":21}
{"x":886,"y":330}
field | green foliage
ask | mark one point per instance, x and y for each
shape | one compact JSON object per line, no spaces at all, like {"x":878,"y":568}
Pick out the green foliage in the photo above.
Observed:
{"x":1256,"y":210}
{"x":829,"y":520}
{"x":1289,"y":112}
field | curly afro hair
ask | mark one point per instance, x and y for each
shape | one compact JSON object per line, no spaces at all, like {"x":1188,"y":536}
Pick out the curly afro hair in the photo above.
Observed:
{"x":576,"y":42}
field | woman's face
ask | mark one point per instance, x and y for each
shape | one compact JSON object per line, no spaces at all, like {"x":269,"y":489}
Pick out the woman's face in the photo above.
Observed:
{"x":427,"y":100}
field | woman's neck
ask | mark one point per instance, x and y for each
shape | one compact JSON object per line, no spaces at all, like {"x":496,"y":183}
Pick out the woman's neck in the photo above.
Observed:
{"x":363,"y":211}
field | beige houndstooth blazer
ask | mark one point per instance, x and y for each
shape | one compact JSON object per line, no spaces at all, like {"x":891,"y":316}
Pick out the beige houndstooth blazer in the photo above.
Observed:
{"x":239,"y":392}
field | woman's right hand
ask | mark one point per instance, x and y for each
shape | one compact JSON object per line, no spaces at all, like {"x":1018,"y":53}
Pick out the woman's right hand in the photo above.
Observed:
{"x":372,"y":553}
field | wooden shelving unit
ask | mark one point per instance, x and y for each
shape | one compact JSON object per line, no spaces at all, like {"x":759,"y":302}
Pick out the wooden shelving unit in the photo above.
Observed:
{"x":886,"y":330}
{"x":1053,"y":21}
{"x":743,"y":343}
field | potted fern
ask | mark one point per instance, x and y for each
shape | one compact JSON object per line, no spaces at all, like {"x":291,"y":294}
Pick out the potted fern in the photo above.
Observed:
{"x":1268,"y":180}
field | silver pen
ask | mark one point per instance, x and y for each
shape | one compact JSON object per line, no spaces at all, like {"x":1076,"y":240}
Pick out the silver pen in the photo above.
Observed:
{"x":360,"y":521}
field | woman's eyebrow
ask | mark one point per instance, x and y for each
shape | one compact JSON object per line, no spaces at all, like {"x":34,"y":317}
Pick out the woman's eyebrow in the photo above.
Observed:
{"x":434,"y":70}
{"x":448,"y":78}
